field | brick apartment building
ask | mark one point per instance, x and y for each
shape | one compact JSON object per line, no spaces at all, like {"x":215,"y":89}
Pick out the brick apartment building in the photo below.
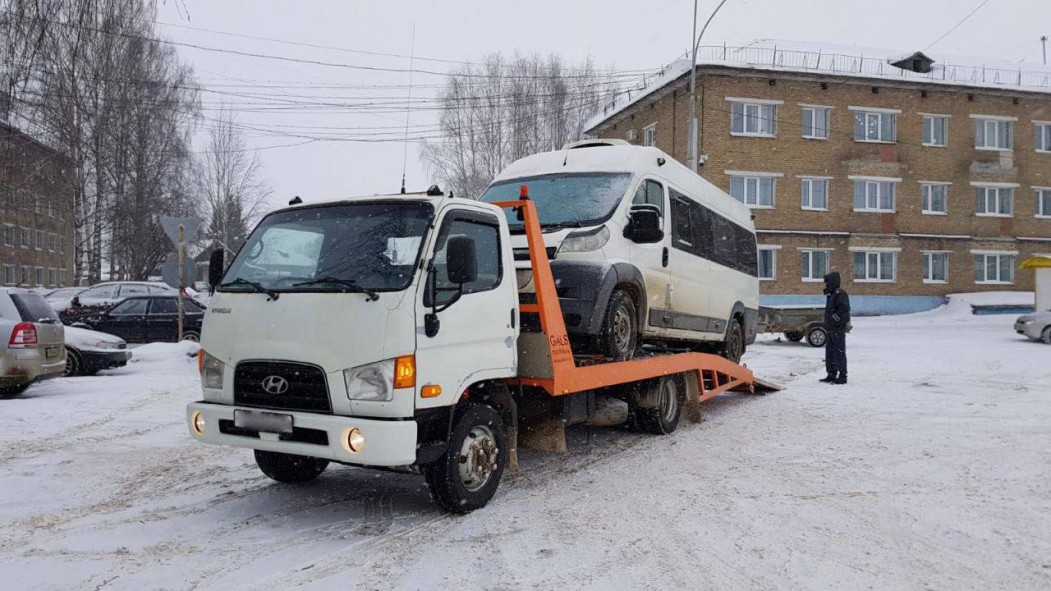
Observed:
{"x":912,"y":180}
{"x":36,"y":213}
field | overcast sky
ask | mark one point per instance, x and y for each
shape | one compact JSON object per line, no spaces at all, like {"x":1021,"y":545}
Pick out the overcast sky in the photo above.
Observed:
{"x":623,"y":34}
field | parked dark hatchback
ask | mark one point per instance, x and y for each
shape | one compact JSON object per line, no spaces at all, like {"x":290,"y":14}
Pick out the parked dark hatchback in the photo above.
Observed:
{"x":147,"y":319}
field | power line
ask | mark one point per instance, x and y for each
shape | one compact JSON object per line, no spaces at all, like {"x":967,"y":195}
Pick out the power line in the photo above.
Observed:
{"x":957,"y":25}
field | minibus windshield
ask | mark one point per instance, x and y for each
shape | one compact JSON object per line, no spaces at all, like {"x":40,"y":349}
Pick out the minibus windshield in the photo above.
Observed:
{"x":367,"y":247}
{"x":565,"y":200}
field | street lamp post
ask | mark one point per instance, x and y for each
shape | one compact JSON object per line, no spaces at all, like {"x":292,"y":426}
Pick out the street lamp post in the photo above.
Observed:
{"x":691,"y":149}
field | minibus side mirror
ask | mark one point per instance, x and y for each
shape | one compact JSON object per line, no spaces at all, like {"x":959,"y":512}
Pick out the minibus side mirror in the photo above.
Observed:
{"x":75,"y":302}
{"x":461,"y":260}
{"x":216,"y":262}
{"x":644,"y":224}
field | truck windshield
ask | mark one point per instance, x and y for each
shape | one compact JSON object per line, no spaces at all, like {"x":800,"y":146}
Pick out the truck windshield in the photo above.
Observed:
{"x":371,"y":246}
{"x":565,"y":200}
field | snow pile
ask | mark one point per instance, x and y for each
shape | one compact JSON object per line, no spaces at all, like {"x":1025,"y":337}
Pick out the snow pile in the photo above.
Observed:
{"x":168,"y":353}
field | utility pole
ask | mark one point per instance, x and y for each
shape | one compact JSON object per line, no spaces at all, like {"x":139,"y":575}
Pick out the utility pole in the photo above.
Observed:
{"x":691,"y":151}
{"x":1043,"y":42}
{"x":182,"y":277}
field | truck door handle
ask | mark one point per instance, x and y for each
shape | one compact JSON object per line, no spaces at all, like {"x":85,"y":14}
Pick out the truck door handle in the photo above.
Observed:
{"x":664,"y":257}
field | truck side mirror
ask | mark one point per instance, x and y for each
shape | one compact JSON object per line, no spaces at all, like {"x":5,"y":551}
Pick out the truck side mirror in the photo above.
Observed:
{"x":216,"y":262}
{"x":644,"y":224}
{"x":461,"y":260}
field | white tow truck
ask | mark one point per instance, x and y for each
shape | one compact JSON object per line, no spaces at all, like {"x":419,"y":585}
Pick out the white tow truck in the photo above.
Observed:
{"x":388,"y":331}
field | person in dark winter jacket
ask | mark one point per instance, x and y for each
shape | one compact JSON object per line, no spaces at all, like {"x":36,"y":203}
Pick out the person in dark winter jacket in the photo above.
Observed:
{"x":837,"y":316}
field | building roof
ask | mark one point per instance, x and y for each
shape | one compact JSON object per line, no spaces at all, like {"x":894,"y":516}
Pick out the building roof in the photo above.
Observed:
{"x":10,"y":130}
{"x":778,"y":55}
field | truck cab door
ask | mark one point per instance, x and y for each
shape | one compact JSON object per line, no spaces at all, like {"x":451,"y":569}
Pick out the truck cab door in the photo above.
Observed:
{"x":652,"y":258}
{"x":476,"y":333}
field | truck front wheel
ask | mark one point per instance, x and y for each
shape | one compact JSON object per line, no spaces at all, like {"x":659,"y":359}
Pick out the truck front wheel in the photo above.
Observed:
{"x":467,"y":475}
{"x":288,"y":468}
{"x":620,"y":328}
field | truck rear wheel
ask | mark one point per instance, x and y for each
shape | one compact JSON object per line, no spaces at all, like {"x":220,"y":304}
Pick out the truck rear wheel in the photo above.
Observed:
{"x":816,"y":337}
{"x":12,"y":391}
{"x":468,"y":474}
{"x":733,"y":347}
{"x":289,"y":468}
{"x":663,"y":418}
{"x":619,"y":337}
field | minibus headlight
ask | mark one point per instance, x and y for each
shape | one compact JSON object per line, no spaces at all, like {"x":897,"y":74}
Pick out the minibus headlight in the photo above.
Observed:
{"x":373,"y":382}
{"x":211,"y":371}
{"x":585,"y":240}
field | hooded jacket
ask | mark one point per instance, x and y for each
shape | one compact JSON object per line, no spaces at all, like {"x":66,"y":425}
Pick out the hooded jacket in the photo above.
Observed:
{"x":837,"y":302}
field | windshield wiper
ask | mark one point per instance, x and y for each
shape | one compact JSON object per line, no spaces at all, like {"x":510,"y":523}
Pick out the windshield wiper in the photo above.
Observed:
{"x":256,"y":287}
{"x":350,"y":286}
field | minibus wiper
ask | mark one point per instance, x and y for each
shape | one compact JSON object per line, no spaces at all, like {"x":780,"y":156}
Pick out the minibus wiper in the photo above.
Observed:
{"x":350,"y":286}
{"x":257,"y":287}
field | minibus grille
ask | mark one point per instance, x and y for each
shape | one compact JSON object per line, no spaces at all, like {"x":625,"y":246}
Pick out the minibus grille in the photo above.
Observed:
{"x":306,"y":388}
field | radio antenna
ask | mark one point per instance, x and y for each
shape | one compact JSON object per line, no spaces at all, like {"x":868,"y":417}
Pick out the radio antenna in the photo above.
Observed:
{"x":408,"y":110}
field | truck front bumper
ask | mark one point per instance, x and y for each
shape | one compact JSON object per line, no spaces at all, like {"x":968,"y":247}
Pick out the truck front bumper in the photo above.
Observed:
{"x":386,"y":442}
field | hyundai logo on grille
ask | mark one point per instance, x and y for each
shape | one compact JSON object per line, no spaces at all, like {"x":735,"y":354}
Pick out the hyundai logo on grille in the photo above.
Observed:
{"x":275,"y":385}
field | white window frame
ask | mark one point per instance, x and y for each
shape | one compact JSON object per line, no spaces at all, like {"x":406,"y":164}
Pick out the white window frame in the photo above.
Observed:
{"x":999,"y":187}
{"x":39,"y":240}
{"x":757,"y":177}
{"x":928,"y":256}
{"x":925,"y":200}
{"x":928,"y":141}
{"x":828,"y":121}
{"x":772,"y":249}
{"x":809,"y":253}
{"x":1042,"y":131}
{"x":1042,"y":195}
{"x":649,"y":135}
{"x":879,"y":113}
{"x":995,"y":121}
{"x":758,"y":105}
{"x":879,"y":181}
{"x":995,"y":253}
{"x":806,"y":190}
{"x":13,"y":271}
{"x":13,"y":229}
{"x":878,"y":251}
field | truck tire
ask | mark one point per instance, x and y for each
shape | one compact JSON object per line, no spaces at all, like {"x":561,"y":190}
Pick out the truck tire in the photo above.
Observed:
{"x":74,"y":364}
{"x":663,"y":418}
{"x":1046,"y":336}
{"x":795,"y":337}
{"x":289,"y":468}
{"x":468,"y":474}
{"x":12,"y":391}
{"x":816,"y":336}
{"x":733,"y":347}
{"x":619,"y":336}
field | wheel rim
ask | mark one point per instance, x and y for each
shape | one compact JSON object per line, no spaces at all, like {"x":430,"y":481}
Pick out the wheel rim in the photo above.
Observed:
{"x":669,"y":400}
{"x":818,"y":337}
{"x":478,"y":458}
{"x":622,"y":330}
{"x":71,"y":364}
{"x":734,"y":346}
{"x":192,"y":337}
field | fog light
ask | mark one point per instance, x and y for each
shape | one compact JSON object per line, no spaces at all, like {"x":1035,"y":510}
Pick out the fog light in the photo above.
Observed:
{"x":197,"y":422}
{"x":353,"y":440}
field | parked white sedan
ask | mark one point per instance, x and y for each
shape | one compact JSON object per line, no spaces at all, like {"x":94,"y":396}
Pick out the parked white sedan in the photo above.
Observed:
{"x":89,"y":351}
{"x":1036,"y":326}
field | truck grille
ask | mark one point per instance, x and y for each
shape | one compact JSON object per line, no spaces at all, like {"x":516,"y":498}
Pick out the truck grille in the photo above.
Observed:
{"x":306,"y":386}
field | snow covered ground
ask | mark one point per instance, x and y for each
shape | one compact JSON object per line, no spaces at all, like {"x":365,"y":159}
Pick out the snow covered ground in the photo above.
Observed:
{"x":930,"y":470}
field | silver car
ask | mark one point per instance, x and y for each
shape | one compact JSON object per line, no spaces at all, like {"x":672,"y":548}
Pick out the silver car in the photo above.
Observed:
{"x":31,"y":341}
{"x":1036,"y":326}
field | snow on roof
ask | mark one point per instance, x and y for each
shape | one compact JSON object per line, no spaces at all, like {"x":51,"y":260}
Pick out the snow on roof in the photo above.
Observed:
{"x":852,"y":61}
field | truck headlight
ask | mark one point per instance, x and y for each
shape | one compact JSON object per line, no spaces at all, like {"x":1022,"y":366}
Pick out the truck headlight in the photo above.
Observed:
{"x":211,"y":372}
{"x":373,"y":382}
{"x":585,"y":240}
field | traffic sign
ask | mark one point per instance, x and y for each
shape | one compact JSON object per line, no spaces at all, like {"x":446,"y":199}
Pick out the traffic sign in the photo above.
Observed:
{"x":171,"y":228}
{"x":170,"y":271}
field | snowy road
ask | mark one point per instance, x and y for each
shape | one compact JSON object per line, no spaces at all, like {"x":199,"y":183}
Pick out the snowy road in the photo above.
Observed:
{"x":931,"y":470}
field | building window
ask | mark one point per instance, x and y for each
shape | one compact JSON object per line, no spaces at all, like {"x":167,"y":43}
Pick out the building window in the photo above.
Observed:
{"x":935,"y":267}
{"x":39,"y":245}
{"x":27,"y":275}
{"x":815,"y":264}
{"x":649,"y":135}
{"x":52,"y":278}
{"x":767,"y":263}
{"x":10,"y":234}
{"x":816,"y":122}
{"x":874,"y":195}
{"x":875,"y":266}
{"x":814,"y":194}
{"x":993,"y":134}
{"x":38,"y":204}
{"x":40,"y":276}
{"x":994,"y":267}
{"x":27,"y":237}
{"x":756,"y":119}
{"x":994,"y":201}
{"x":935,"y":130}
{"x":1043,"y":203}
{"x":1043,"y":137}
{"x":753,"y":191}
{"x":10,"y":275}
{"x":875,"y":126}
{"x":934,"y":198}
